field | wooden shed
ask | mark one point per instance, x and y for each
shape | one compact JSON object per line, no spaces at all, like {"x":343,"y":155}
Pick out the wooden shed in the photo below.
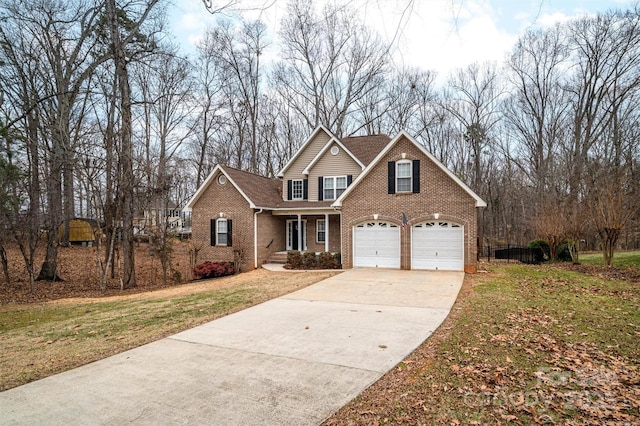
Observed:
{"x":81,"y":230}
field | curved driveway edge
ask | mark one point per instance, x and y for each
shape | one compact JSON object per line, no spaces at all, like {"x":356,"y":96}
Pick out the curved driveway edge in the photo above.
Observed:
{"x":292,"y":360}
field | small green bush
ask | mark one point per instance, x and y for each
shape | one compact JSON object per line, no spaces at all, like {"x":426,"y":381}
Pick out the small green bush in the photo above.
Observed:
{"x":562,"y":252}
{"x":310,"y":260}
{"x":294,"y":259}
{"x":542,"y":245}
{"x":327,"y":261}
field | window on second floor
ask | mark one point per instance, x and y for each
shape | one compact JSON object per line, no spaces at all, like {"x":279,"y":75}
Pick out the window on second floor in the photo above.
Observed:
{"x":334,"y":186}
{"x":296,"y":189}
{"x":403,"y":176}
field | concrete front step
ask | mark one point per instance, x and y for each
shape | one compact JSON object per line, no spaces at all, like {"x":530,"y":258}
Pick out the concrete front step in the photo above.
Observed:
{"x":279,"y":257}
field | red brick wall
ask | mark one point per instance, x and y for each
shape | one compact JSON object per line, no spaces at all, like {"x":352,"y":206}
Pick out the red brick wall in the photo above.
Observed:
{"x":334,"y":233}
{"x":438,"y":194}
{"x":271,"y":233}
{"x":227,"y":200}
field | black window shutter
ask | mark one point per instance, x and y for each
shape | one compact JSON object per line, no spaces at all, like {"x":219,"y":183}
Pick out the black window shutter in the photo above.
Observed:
{"x":305,"y":189}
{"x":391,"y":177}
{"x":416,"y":176}
{"x":289,"y":189}
{"x":213,"y":232}
{"x":349,"y":179}
{"x":320,"y":188}
{"x":229,"y":233}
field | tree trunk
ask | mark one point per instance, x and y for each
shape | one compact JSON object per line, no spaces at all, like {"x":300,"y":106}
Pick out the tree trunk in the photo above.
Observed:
{"x":126,"y":152}
{"x":48,"y":271}
{"x":609,"y":239}
{"x":5,"y":264}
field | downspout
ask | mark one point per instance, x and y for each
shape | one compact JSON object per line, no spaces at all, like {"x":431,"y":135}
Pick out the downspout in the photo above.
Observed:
{"x":255,"y":238}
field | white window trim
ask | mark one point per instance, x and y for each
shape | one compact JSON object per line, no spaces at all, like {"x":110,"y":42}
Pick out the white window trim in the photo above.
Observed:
{"x":218,"y":233}
{"x":293,"y":189}
{"x":410,"y":177}
{"x":324,"y":230}
{"x":335,"y":186}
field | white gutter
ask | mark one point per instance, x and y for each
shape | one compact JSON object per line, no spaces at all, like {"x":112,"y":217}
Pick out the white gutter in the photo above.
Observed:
{"x":255,"y":239}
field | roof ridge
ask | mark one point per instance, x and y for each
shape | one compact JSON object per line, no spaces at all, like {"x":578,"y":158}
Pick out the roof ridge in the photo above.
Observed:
{"x":226,"y":166}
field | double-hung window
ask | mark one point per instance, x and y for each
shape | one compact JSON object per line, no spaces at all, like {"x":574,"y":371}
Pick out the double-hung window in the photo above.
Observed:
{"x":222,"y":233}
{"x":320,"y":231}
{"x":297,"y":189}
{"x":334,"y":186}
{"x":403,"y":176}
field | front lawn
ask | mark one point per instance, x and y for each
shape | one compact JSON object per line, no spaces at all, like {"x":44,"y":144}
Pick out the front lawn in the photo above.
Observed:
{"x":523,"y":345}
{"x":621,"y":259}
{"x":39,"y":340}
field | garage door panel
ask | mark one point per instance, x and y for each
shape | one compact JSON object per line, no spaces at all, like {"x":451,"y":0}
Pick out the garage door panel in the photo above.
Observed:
{"x":376,"y":244}
{"x":437,"y":245}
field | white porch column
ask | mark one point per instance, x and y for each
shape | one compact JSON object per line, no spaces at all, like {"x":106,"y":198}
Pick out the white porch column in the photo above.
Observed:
{"x":300,"y":239}
{"x":326,"y":232}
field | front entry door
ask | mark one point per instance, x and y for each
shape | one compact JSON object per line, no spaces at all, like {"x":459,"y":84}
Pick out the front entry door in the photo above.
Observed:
{"x":292,"y":235}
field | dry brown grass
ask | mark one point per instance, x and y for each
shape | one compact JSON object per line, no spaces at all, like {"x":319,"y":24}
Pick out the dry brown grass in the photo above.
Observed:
{"x":41,"y":339}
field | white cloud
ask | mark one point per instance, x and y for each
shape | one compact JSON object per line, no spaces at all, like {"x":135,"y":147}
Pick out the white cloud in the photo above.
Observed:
{"x":443,"y":38}
{"x":439,"y":35}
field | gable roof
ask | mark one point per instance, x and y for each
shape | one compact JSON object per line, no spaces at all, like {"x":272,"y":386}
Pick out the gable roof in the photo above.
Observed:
{"x":318,"y":129}
{"x":479,"y":201}
{"x":366,"y":147}
{"x":325,"y":148}
{"x":257,"y":190}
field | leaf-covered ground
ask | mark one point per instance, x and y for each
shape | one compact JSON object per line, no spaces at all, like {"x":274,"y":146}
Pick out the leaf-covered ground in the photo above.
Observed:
{"x":77,"y":266}
{"x":523,"y":345}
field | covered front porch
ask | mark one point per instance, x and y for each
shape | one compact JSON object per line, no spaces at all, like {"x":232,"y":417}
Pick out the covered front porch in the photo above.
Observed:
{"x":317,"y":231}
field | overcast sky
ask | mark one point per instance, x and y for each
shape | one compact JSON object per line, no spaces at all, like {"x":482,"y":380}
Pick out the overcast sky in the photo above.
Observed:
{"x":439,"y":35}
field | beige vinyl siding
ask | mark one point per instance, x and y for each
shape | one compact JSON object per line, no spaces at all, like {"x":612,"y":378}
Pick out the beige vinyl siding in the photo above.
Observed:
{"x":306,"y":156}
{"x":341,"y":164}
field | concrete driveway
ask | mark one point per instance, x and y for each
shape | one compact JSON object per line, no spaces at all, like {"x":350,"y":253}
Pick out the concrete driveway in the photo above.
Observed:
{"x":293,"y":360}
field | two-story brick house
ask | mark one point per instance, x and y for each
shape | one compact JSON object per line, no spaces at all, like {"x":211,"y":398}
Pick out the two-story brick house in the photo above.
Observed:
{"x":381,"y":202}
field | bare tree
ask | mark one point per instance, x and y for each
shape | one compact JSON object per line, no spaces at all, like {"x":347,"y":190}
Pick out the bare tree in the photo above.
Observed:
{"x":120,"y":36}
{"x":331,"y":62}
{"x":63,"y":37}
{"x":536,"y":110}
{"x":209,"y":107}
{"x":474,"y":101}
{"x":238,"y":52}
{"x":606,"y":51}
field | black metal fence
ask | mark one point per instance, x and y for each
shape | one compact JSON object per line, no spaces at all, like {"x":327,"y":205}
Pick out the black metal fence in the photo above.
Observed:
{"x":516,"y":253}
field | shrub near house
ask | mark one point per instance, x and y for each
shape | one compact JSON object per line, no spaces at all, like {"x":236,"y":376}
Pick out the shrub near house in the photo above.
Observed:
{"x":309,"y":260}
{"x":213,"y":270}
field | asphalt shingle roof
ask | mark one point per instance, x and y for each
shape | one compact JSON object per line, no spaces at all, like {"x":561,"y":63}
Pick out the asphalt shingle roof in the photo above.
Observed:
{"x":263,"y":191}
{"x":267,"y":192}
{"x":366,"y":148}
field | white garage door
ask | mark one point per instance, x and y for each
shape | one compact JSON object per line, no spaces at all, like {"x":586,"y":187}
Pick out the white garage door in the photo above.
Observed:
{"x":376,"y":245}
{"x":437,"y":245}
